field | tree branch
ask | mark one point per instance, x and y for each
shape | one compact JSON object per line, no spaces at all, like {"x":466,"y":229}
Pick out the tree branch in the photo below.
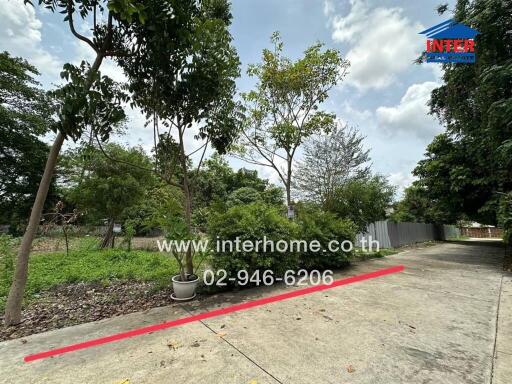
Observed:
{"x":135,"y":165}
{"x":74,"y":32}
{"x":202,"y":156}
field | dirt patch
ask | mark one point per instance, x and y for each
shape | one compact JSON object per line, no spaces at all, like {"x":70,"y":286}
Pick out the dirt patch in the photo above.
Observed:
{"x":85,"y":302}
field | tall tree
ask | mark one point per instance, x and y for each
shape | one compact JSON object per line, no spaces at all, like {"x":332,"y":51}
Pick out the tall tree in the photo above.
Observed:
{"x":443,"y":179}
{"x":119,"y":30}
{"x":330,"y":161}
{"x":362,"y":200}
{"x":416,"y":206}
{"x":472,"y":159}
{"x":192,"y":87}
{"x":284,"y":108}
{"x":25,"y":115}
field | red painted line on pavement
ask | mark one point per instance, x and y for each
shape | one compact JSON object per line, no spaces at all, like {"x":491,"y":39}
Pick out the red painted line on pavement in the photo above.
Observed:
{"x":210,"y":314}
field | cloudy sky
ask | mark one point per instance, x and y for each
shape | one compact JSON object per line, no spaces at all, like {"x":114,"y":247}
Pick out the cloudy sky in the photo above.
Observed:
{"x":384,"y":95}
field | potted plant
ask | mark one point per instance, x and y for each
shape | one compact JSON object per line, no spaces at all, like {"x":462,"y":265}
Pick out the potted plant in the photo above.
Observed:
{"x":184,"y":285}
{"x":179,"y":243}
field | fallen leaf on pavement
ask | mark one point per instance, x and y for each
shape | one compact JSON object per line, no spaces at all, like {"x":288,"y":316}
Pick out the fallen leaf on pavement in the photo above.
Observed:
{"x":173,"y":344}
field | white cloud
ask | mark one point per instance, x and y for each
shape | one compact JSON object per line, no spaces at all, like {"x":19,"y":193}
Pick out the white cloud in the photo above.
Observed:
{"x":351,"y":115}
{"x":437,"y":70}
{"x":383,"y":42}
{"x":328,"y":7}
{"x":20,"y":35}
{"x":411,"y":114}
{"x":401,"y":180}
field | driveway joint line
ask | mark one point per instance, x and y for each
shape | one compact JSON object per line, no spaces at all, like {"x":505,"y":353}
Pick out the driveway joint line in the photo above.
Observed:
{"x":494,"y":351}
{"x":237,"y":349}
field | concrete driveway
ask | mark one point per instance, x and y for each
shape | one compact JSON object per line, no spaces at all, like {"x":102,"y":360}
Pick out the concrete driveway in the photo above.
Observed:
{"x":446,"y":319}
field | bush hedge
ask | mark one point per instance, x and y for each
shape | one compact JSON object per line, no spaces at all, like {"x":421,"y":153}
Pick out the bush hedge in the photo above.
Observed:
{"x":252,"y":222}
{"x":256,"y":221}
{"x":324,"y":227}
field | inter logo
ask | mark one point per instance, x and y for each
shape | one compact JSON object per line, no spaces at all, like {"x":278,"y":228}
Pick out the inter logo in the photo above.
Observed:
{"x":450,"y":42}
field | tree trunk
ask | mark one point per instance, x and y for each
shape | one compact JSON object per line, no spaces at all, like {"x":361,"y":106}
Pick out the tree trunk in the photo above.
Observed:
{"x":65,"y":232}
{"x":189,"y":265}
{"x":15,"y":298}
{"x":288,"y":186}
{"x":108,"y":238}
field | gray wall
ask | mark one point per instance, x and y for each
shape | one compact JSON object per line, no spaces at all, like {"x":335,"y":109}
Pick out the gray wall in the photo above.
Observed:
{"x":392,"y":235}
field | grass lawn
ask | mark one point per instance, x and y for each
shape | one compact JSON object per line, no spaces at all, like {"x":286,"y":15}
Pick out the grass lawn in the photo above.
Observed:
{"x":47,"y":270}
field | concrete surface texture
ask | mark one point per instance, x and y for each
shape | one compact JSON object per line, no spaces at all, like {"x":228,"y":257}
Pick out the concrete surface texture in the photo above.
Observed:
{"x":446,"y":319}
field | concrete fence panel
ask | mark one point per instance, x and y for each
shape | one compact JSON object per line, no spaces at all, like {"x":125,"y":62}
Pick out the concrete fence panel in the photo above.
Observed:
{"x":392,"y":235}
{"x":450,"y":232}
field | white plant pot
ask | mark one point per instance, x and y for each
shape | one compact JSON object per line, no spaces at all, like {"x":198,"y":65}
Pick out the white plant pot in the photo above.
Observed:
{"x":184,"y":290}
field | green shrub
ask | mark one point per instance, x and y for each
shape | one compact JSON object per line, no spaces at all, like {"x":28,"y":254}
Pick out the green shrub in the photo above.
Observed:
{"x":324,"y":227}
{"x":244,"y":195}
{"x":129,"y":233}
{"x":252,"y":222}
{"x":273,"y":195}
{"x":200,"y":218}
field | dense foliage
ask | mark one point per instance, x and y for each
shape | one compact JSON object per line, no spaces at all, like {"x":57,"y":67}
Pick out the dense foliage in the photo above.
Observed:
{"x":252,"y":222}
{"x":109,"y":182}
{"x":467,"y":167}
{"x":324,"y":227}
{"x":217,"y":186}
{"x":25,"y":115}
{"x":363,"y":201}
{"x":104,"y":183}
{"x":415,"y":206}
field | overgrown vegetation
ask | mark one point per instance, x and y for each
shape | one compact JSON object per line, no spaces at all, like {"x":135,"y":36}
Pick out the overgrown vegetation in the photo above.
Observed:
{"x":253,"y":222}
{"x":324,"y":227}
{"x":180,"y":68}
{"x":50,"y":269}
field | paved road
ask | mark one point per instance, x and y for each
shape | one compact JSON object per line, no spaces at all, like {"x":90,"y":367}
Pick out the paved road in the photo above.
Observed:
{"x":446,"y":319}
